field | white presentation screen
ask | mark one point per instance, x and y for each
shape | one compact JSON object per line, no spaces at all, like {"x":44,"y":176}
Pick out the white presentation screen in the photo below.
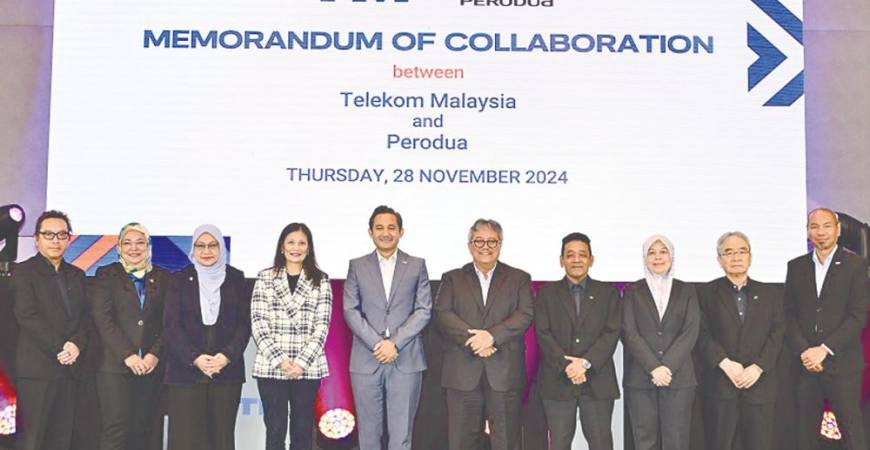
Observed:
{"x":619,"y":119}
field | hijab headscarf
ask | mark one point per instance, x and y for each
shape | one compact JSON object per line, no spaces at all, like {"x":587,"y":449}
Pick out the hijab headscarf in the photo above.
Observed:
{"x":143,"y":267}
{"x":210,"y":277}
{"x":659,"y":285}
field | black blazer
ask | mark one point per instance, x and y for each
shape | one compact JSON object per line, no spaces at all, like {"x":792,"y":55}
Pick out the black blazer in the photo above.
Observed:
{"x":594,"y":338}
{"x":507,"y":314}
{"x":758,"y":340}
{"x":184,"y":333}
{"x":123,"y":327}
{"x":45,"y":324}
{"x":836,"y":318}
{"x":650,"y":342}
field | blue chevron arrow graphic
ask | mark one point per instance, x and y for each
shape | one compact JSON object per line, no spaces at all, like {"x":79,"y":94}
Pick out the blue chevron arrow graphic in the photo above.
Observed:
{"x":792,"y":91}
{"x":769,"y":57}
{"x":783,"y":17}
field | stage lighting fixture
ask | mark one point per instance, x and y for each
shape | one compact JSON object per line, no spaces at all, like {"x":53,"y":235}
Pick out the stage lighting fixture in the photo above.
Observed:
{"x":7,"y":405}
{"x":337,"y":423}
{"x":830,"y":430}
{"x":11,"y":220}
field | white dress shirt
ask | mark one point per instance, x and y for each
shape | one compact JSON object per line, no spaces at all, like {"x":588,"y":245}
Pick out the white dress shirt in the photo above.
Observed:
{"x":388,"y":268}
{"x":821,"y":273}
{"x":485,"y":280}
{"x":822,"y":269}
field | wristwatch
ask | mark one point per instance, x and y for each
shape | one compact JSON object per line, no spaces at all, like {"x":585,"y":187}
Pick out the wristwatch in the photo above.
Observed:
{"x":586,"y":364}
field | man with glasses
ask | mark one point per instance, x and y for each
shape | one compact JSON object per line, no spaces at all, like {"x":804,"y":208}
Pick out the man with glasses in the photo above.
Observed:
{"x":826,"y":310}
{"x":577,"y":321}
{"x":483,"y":309}
{"x":51,"y":309}
{"x":742,"y":329}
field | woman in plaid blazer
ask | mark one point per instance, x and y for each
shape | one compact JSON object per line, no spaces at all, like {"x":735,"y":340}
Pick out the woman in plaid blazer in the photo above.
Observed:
{"x":290,"y":311}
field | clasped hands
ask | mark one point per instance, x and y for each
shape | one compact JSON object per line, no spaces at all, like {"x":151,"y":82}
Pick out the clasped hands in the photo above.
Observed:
{"x":142,"y":366}
{"x":290,"y":369}
{"x":69,"y":354}
{"x":741,"y":377}
{"x":481,"y":343}
{"x":661,"y":376}
{"x":575,"y":370}
{"x":211,"y":365}
{"x":813,"y":357}
{"x":386,"y":351}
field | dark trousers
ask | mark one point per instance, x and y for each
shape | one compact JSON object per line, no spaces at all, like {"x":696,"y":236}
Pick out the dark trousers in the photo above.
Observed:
{"x":595,"y":420}
{"x":300,"y":395}
{"x":661,"y":419}
{"x":466,"y":411}
{"x":844,"y":395}
{"x":47,"y":409}
{"x":736,"y":423}
{"x":128,"y":407}
{"x":202,"y":416}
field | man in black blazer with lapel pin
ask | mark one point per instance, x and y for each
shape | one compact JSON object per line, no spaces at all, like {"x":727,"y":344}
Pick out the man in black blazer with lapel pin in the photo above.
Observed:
{"x":742,"y":329}
{"x":826,"y":309}
{"x":577,"y":321}
{"x":483,"y":310}
{"x":51,"y":308}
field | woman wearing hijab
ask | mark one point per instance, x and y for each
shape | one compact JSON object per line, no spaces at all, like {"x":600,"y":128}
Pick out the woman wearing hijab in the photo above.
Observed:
{"x":207,"y":326}
{"x":660,"y":326}
{"x":290,"y":311}
{"x":127,"y":300}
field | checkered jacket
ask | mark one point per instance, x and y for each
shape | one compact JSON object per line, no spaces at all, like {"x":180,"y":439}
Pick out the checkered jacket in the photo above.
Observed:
{"x":290,"y":324}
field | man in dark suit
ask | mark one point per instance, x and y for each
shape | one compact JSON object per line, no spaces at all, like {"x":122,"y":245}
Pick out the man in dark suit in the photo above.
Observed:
{"x":742,"y":328}
{"x":826,"y":309}
{"x":50,"y":305}
{"x":577,"y":321}
{"x":483,"y":309}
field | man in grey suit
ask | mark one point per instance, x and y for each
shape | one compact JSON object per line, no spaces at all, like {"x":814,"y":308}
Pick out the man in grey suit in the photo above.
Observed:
{"x":387,"y":302}
{"x":483,"y":309}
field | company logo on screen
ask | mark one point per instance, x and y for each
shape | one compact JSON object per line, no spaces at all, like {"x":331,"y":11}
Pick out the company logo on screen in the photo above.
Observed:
{"x":507,"y":3}
{"x":770,"y":56}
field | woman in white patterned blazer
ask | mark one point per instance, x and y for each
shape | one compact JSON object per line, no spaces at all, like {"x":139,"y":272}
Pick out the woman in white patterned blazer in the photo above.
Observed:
{"x":290,"y":311}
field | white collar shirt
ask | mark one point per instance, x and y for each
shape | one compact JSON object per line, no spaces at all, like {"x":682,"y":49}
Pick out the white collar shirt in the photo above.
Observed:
{"x":388,"y":268}
{"x":485,"y":280}
{"x":822,"y":269}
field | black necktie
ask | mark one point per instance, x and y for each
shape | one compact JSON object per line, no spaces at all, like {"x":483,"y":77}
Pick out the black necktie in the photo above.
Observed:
{"x":577,"y":292}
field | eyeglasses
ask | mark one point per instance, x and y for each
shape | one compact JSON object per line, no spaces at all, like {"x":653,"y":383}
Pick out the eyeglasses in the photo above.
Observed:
{"x":480,"y":243}
{"x":730,"y":253}
{"x":137,"y":244}
{"x":51,"y":235}
{"x":212,"y":246}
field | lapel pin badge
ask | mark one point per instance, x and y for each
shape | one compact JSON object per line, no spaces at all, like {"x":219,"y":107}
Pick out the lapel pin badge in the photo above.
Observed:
{"x":191,"y":278}
{"x":591,"y":297}
{"x":151,"y":280}
{"x":836,"y":263}
{"x":755,"y":297}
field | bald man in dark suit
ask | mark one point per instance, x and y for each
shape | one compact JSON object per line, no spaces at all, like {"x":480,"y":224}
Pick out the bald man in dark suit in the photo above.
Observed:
{"x":826,"y":310}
